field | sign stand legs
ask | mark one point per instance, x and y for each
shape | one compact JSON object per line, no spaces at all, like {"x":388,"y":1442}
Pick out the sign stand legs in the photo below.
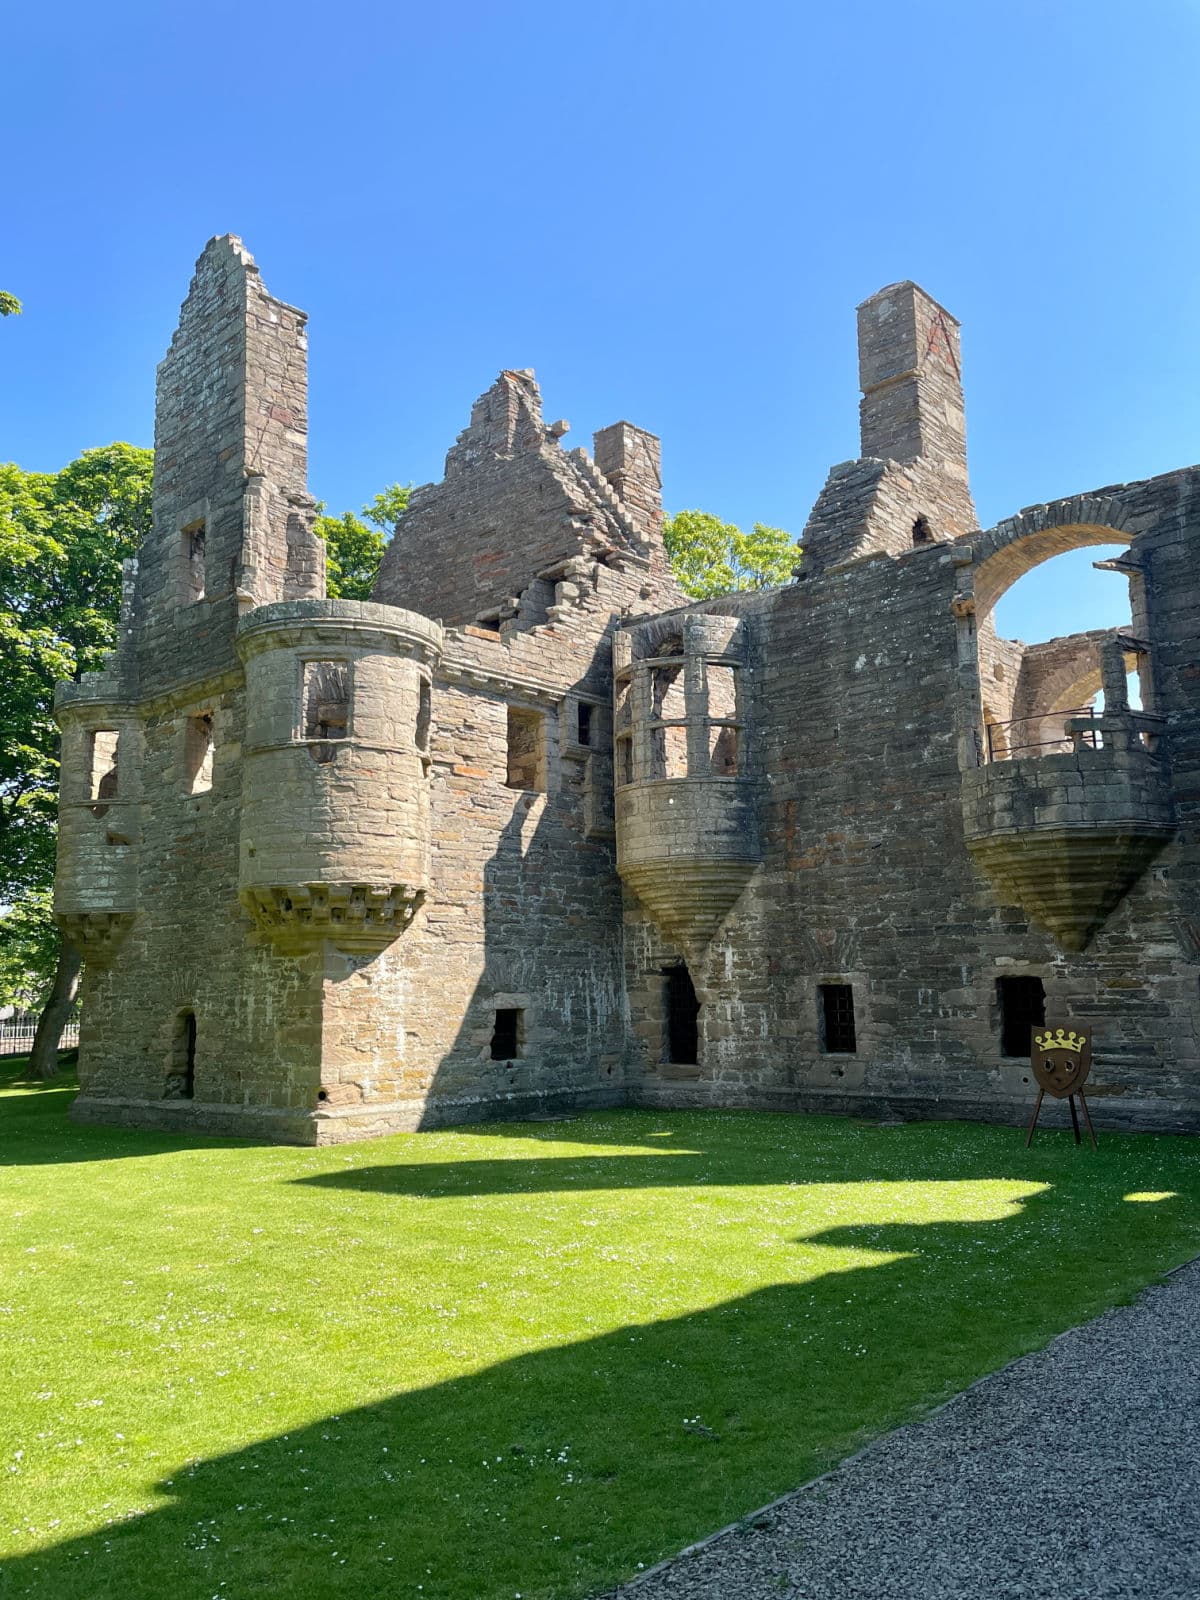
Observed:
{"x":1087,"y":1117}
{"x":1033,"y":1120}
{"x":1074,"y":1118}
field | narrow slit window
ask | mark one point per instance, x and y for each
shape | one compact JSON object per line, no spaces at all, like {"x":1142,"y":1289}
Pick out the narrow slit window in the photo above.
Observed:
{"x":682,"y":1017}
{"x":507,"y":1034}
{"x":194,"y":543}
{"x":838,"y":1036}
{"x":1022,"y":1008}
{"x":584,"y":724}
{"x":424,"y":714}
{"x":624,"y":761}
{"x":198,"y":748}
{"x":526,"y":767}
{"x":102,"y":764}
{"x":326,"y":699}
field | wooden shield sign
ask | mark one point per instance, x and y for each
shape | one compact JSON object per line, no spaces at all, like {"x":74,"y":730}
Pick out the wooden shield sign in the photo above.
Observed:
{"x":1061,"y":1057}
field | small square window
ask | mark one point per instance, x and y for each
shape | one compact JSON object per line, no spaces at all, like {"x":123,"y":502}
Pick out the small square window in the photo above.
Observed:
{"x":526,"y":768}
{"x":838,"y":1037}
{"x":508,"y":1034}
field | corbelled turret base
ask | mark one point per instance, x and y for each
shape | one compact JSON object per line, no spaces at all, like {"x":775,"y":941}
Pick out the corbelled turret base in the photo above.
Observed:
{"x":689,"y":899}
{"x":353,"y":916}
{"x":1068,"y":880}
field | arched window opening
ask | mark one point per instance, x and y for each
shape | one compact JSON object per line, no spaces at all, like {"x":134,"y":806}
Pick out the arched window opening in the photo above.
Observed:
{"x":922,"y":533}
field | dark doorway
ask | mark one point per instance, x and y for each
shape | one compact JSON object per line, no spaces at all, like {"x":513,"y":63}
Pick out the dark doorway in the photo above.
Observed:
{"x":1022,"y":1007}
{"x":683,"y":1010}
{"x":181,"y":1070}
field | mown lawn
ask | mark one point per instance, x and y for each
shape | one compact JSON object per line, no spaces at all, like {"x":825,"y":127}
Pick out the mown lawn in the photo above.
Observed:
{"x":520,"y":1360}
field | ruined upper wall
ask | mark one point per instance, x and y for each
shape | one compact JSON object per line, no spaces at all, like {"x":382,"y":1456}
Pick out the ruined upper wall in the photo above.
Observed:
{"x":515,"y":507}
{"x":910,"y":485}
{"x":232,"y":515}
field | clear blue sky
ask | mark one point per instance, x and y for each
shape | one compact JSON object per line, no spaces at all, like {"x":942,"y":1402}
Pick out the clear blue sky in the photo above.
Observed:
{"x":668,"y":209}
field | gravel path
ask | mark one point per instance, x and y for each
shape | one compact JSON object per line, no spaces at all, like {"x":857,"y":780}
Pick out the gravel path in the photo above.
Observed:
{"x":1074,"y":1474}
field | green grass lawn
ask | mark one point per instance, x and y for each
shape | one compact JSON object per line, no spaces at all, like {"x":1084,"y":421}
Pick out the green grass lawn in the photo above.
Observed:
{"x":521,"y":1359}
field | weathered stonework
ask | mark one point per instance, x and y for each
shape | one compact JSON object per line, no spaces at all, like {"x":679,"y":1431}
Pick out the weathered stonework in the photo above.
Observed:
{"x":529,"y":832}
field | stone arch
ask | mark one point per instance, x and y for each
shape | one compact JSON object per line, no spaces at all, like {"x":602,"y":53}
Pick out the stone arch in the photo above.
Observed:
{"x":1014,"y":547}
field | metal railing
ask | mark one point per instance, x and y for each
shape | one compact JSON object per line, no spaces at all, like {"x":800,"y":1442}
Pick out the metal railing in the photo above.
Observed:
{"x":1007,"y":741}
{"x":16,"y":1036}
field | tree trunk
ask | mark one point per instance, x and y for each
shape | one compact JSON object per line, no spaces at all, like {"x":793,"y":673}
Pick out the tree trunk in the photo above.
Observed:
{"x":43,"y":1060}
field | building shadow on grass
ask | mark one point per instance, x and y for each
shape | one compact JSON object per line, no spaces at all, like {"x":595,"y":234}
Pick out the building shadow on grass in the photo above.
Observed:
{"x":557,"y":1472}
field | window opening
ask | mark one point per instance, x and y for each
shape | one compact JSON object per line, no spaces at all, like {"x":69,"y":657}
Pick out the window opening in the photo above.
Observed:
{"x":193,"y":563}
{"x":1022,"y":1008}
{"x":424,"y":714}
{"x":526,"y":750}
{"x":507,"y":1033}
{"x":922,"y":533}
{"x":181,"y":1072}
{"x":326,"y":699}
{"x":102,"y":775}
{"x":723,"y":751}
{"x":682,"y":1017}
{"x":584,"y":724}
{"x":838,"y":1035}
{"x":624,"y":761}
{"x":198,"y":747}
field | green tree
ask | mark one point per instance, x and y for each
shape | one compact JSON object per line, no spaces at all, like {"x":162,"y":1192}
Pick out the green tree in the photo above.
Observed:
{"x":63,"y":537}
{"x":29,"y":951}
{"x":10,"y":306}
{"x":353,"y":551}
{"x":710,"y":557}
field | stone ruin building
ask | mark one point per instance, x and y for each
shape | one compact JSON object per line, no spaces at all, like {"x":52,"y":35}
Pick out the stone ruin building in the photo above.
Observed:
{"x":530,"y":832}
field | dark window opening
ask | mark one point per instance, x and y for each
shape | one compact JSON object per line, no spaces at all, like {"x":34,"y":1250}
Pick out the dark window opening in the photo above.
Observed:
{"x":506,"y":1034}
{"x":193,"y":563}
{"x":181,"y":1073}
{"x":585,"y":724}
{"x":922,"y":533}
{"x":838,"y":1036}
{"x":1022,"y":1008}
{"x":682,"y":1016}
{"x":526,"y":750}
{"x":424,"y":714}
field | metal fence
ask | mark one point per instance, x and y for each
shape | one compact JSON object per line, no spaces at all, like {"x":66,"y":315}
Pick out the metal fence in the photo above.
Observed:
{"x":16,"y":1036}
{"x":1007,"y":741}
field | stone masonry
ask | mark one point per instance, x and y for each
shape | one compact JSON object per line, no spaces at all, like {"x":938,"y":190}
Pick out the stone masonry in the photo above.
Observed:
{"x":528,"y":832}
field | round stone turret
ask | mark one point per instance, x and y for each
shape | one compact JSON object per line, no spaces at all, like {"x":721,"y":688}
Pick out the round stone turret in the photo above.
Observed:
{"x":335,"y":796}
{"x":687,"y":840}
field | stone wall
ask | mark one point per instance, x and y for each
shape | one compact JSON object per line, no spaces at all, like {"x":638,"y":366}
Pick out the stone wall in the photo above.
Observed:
{"x":343,"y":868}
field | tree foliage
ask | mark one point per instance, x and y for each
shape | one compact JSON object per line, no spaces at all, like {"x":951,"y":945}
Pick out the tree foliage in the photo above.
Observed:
{"x":63,"y":537}
{"x":710,"y":557}
{"x":10,"y":306}
{"x":353,"y":551}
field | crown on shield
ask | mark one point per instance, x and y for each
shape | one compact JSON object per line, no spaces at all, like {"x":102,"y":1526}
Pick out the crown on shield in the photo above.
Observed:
{"x":1060,"y":1039}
